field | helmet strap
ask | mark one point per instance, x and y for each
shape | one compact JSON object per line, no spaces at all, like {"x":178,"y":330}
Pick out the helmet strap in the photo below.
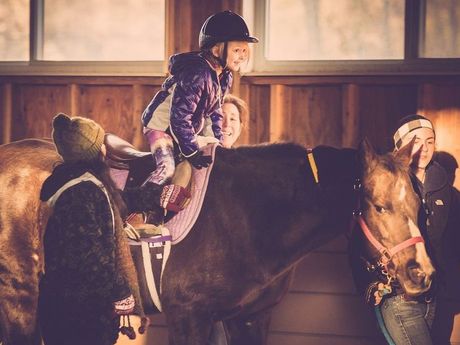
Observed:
{"x":223,"y":58}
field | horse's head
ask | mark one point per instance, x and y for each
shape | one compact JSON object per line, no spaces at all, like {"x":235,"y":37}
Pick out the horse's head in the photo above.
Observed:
{"x":390,"y":208}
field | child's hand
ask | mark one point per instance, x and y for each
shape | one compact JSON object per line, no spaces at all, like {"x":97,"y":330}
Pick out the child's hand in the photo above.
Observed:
{"x":199,"y":161}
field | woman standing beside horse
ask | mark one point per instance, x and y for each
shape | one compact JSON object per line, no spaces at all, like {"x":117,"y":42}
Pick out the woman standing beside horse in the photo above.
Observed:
{"x":409,"y":320}
{"x":85,"y":287}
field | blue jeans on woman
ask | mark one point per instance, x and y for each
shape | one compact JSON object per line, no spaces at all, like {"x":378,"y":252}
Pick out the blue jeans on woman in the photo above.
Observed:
{"x":408,"y":321}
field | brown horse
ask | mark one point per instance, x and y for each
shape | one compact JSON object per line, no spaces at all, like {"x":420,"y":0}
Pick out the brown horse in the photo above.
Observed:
{"x":262,"y":214}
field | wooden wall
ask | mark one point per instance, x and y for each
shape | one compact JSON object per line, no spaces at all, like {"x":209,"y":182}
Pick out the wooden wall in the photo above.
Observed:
{"x":322,"y":306}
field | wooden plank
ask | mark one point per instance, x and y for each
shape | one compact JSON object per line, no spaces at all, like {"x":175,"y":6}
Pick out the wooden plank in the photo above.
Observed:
{"x":324,"y":314}
{"x":142,"y":95}
{"x":112,"y":107}
{"x":337,"y":245}
{"x":441,"y":104}
{"x":316,"y":115}
{"x":74,"y":95}
{"x":95,"y":80}
{"x":280,"y":113}
{"x":323,"y":272}
{"x":6,"y":112}
{"x":34,"y":107}
{"x":350,"y":116}
{"x":299,"y":80}
{"x":244,"y":138}
{"x":259,"y":114}
{"x":380,"y":108}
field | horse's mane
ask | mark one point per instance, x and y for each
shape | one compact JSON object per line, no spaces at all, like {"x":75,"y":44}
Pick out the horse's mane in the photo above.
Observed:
{"x":391,"y":164}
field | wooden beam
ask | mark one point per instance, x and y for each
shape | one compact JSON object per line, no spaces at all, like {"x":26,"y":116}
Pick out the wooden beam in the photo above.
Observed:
{"x":279,"y":112}
{"x":7,"y":118}
{"x":350,"y":116}
{"x":74,"y":97}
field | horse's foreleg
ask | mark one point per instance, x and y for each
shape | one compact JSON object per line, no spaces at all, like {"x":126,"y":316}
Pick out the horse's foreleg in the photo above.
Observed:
{"x":188,"y":327}
{"x":249,"y":330}
{"x":19,"y":322}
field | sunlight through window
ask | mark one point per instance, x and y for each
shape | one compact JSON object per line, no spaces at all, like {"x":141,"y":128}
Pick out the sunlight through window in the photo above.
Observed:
{"x":14,"y":30}
{"x":104,"y":30}
{"x":335,"y":30}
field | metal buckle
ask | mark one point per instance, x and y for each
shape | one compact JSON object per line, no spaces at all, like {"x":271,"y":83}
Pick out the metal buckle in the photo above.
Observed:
{"x":386,"y":256}
{"x":357,"y":185}
{"x":357,"y":213}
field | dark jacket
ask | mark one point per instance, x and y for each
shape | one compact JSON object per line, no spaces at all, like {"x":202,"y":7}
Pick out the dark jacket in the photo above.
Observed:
{"x":439,"y":222}
{"x":197,"y":96}
{"x":82,"y":277}
{"x":440,"y":218}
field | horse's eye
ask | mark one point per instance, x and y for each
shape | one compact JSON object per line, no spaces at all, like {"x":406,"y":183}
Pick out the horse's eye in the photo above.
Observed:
{"x":380,"y":209}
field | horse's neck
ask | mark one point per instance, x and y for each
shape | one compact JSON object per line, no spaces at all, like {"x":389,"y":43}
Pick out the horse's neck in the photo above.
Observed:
{"x":328,"y":213}
{"x":289,"y":213}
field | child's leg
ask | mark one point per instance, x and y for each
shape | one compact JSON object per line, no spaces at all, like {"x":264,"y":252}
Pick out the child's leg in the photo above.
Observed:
{"x":162,"y":148}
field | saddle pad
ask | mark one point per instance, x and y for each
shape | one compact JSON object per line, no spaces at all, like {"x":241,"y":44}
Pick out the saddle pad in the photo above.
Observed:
{"x":181,"y":224}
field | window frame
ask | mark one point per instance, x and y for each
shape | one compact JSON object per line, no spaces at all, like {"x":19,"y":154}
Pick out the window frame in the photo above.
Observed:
{"x":410,"y":64}
{"x":36,"y":66}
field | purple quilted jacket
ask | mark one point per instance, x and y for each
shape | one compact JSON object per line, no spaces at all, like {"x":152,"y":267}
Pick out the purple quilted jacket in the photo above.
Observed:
{"x":196,"y":97}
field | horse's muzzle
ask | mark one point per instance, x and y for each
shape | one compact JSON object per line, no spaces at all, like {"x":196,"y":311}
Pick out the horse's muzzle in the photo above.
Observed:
{"x":418,"y":280}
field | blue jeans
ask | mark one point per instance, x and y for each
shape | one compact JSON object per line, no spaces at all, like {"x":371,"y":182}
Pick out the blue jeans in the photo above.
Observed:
{"x":408,"y":322}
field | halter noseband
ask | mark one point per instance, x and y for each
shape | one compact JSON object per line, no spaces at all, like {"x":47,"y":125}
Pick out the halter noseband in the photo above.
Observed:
{"x":387,"y":254}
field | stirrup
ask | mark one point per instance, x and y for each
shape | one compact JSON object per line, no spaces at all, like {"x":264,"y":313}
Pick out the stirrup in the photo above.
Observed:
{"x":146,"y":230}
{"x":138,"y":231}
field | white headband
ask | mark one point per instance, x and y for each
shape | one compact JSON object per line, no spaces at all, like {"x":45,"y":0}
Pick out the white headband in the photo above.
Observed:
{"x":409,"y":127}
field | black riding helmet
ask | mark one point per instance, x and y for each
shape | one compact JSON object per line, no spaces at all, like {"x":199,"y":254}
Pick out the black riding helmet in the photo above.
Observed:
{"x":223,"y":27}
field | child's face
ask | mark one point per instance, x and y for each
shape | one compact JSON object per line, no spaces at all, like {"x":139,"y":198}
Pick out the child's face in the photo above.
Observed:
{"x":237,"y":54}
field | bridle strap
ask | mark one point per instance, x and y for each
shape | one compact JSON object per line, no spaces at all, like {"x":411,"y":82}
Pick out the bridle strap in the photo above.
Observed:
{"x":387,"y":254}
{"x":407,"y":243}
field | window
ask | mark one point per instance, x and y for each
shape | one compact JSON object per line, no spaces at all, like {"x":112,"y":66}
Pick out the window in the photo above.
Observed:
{"x":104,"y":30}
{"x":84,"y":37}
{"x":335,"y":30}
{"x":440,"y":34}
{"x":14,"y":30}
{"x":325,"y":37}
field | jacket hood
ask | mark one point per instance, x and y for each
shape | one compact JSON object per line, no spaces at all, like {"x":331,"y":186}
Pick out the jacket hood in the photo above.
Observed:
{"x":436,"y":177}
{"x":182,"y":61}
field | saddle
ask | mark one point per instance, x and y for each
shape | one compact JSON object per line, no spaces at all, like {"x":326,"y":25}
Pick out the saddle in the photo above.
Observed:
{"x":121,"y":155}
{"x":132,"y":168}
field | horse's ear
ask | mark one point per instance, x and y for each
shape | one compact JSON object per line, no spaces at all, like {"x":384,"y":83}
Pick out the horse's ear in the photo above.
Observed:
{"x":404,"y":154}
{"x":367,"y":154}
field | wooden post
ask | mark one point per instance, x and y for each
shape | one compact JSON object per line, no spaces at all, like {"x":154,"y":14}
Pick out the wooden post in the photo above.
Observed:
{"x":74,"y":96}
{"x":138,"y":108}
{"x":279,"y":112}
{"x":7,"y":111}
{"x":350,"y":116}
